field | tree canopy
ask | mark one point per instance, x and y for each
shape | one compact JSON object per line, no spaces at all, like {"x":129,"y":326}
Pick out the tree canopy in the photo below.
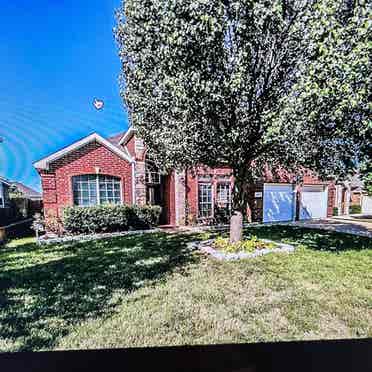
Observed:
{"x":242,"y":82}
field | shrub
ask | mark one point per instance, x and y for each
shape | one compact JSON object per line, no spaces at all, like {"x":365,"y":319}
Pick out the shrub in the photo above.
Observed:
{"x":222,"y":214}
{"x":335,"y":211}
{"x":109,"y":218}
{"x":54,"y":225}
{"x":143,"y":217}
{"x":355,"y":209}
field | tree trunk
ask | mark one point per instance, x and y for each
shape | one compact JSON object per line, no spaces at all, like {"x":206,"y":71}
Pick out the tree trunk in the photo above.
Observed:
{"x":236,"y":227}
{"x":240,"y":203}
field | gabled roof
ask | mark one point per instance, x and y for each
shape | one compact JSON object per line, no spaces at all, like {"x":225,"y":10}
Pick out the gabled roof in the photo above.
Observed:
{"x":127,"y":136}
{"x":94,"y":137}
{"x":4,"y":180}
{"x":28,"y":192}
{"x":115,"y":140}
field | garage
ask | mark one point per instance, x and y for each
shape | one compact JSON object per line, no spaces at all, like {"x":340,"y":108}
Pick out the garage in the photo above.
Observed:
{"x":278,"y":202}
{"x":313,"y":202}
{"x":366,"y":204}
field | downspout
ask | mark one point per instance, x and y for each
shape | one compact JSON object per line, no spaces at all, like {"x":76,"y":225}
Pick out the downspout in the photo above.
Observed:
{"x":133,"y":183}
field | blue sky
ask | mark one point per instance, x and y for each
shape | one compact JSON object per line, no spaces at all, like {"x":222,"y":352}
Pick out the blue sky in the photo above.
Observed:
{"x":56,"y":56}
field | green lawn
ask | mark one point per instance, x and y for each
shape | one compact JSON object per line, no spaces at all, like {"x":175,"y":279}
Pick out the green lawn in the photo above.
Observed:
{"x":149,"y":290}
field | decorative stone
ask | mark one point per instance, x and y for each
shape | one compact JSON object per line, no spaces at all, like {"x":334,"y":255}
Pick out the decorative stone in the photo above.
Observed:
{"x":206,"y":247}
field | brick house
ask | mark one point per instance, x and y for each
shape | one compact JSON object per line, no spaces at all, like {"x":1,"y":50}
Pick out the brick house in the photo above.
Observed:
{"x":97,"y":170}
{"x":349,"y":193}
{"x":4,"y":192}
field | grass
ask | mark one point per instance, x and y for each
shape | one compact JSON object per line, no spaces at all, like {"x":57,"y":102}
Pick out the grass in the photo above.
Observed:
{"x":150,"y":290}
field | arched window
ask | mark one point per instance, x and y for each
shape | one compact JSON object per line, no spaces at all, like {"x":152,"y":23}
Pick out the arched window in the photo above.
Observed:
{"x":152,"y":173}
{"x":93,"y":189}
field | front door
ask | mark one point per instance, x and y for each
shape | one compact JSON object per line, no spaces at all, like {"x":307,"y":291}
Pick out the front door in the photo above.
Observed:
{"x":155,"y":196}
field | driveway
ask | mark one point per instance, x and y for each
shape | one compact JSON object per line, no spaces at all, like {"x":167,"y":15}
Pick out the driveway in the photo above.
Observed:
{"x":345,"y":224}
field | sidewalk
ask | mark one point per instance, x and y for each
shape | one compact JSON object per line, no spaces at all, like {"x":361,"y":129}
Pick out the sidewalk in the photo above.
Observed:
{"x":345,"y":225}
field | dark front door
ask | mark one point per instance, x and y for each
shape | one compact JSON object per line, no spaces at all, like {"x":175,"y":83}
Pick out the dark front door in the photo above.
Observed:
{"x":155,"y":196}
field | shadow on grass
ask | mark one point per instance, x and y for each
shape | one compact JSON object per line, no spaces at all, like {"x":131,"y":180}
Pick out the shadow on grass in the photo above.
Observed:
{"x":40,"y":301}
{"x":311,"y":238}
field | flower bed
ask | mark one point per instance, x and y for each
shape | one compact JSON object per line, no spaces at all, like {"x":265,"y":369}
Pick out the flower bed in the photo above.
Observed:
{"x":263,"y":246}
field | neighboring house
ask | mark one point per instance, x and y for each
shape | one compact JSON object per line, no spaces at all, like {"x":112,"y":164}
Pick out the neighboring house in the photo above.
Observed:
{"x":28,"y":200}
{"x":97,"y":170}
{"x":8,"y":211}
{"x":4,"y":193}
{"x":27,"y":192}
{"x":349,"y":193}
{"x":366,"y":204}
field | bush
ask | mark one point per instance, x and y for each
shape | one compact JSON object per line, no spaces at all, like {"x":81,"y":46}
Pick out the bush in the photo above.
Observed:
{"x":109,"y":218}
{"x":222,"y":214}
{"x":143,"y":217}
{"x":355,"y":209}
{"x":335,"y":211}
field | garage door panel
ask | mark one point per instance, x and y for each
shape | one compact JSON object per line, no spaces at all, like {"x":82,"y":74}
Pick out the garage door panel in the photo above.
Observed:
{"x":314,"y":200}
{"x":278,"y":203}
{"x":367,"y":204}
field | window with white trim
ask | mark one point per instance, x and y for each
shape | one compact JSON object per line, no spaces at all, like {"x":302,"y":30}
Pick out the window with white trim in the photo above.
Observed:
{"x":205,"y":200}
{"x":93,"y":189}
{"x":224,"y":194}
{"x":152,"y":174}
{"x":109,"y":190}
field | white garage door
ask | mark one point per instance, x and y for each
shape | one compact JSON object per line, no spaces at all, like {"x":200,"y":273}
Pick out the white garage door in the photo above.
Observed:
{"x":314,"y":200}
{"x":278,"y":202}
{"x":367,"y":204}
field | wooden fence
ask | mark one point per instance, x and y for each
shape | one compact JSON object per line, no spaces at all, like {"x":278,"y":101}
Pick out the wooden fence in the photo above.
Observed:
{"x":15,"y":230}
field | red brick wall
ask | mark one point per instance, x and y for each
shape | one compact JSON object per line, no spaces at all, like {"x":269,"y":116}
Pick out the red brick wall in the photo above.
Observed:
{"x":57,"y":183}
{"x":257,"y":206}
{"x":331,"y":198}
{"x":192,"y":186}
{"x":170,"y":204}
{"x":131,"y":147}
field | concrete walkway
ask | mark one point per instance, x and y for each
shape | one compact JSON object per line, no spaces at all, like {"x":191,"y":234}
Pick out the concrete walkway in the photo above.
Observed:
{"x":340,"y":224}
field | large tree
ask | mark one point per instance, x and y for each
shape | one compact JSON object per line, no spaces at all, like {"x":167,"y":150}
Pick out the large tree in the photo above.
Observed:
{"x":247,"y":84}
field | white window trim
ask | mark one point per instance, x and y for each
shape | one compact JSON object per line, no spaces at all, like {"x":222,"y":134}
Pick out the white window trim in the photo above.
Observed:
{"x":228,"y":184}
{"x":98,"y":196}
{"x":212,"y":200}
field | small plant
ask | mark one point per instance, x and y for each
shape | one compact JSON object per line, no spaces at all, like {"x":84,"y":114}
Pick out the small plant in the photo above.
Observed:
{"x":248,"y":245}
{"x":335,"y":211}
{"x":205,"y":235}
{"x":222,"y":214}
{"x":190,"y":218}
{"x":355,"y":209}
{"x":38,"y":224}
